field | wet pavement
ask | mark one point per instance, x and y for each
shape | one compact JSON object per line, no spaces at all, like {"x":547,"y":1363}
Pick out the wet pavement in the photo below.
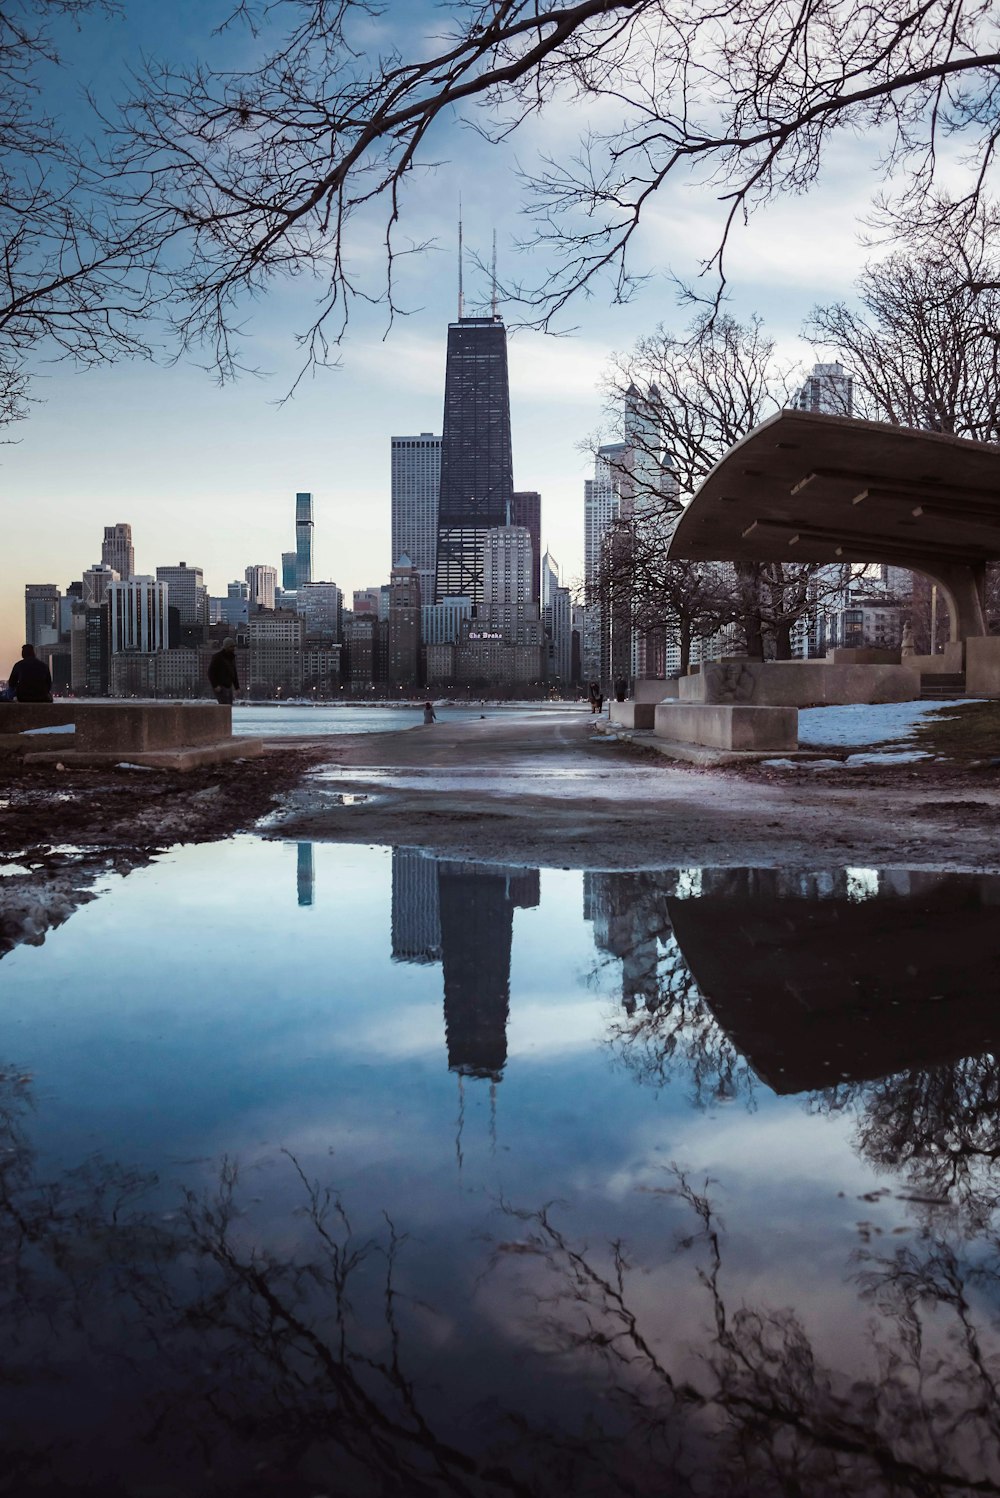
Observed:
{"x":351,"y":1170}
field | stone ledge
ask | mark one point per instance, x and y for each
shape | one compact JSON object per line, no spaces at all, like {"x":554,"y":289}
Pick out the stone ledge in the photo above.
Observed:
{"x":633,"y":714}
{"x":728,"y":726}
{"x":184,"y":757}
{"x":703,"y":754}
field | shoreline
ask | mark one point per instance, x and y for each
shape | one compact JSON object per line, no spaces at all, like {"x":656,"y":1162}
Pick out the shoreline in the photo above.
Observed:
{"x":556,"y":794}
{"x":503,"y":789}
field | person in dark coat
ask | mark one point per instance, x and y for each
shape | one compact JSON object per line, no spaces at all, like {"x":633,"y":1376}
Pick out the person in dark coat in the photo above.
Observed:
{"x":222,"y":673}
{"x":30,"y":679}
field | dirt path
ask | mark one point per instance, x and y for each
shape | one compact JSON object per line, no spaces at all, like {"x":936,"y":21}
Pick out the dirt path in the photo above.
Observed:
{"x":542,"y":788}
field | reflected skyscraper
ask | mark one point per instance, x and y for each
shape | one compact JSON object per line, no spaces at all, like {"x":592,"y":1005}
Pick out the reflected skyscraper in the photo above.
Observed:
{"x":629,"y":913}
{"x":477,"y":918}
{"x":462,"y":915}
{"x":305,"y":874}
{"x":416,"y":910}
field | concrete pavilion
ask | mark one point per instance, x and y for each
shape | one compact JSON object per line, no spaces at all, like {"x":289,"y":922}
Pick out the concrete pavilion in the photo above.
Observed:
{"x":803,"y":487}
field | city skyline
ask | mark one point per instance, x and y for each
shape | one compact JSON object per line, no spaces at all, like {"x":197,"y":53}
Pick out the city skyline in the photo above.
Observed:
{"x":191,"y":464}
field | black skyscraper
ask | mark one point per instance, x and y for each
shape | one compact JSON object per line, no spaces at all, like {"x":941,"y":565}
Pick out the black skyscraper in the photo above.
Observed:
{"x":476,"y":465}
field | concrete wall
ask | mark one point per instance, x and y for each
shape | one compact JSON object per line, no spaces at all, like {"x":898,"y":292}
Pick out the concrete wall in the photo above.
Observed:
{"x":633,"y":714}
{"x":982,"y":666}
{"x":121,"y":727}
{"x":950,"y":662}
{"x":799,"y":683}
{"x":865,"y":655}
{"x":654,"y":691}
{"x":726,"y":726}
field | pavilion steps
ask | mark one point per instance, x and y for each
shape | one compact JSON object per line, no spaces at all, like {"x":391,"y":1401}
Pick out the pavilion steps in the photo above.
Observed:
{"x":942,"y":686}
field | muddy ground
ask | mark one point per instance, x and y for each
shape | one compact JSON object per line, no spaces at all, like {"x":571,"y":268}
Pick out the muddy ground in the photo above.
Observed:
{"x":549,"y":790}
{"x":63,"y":831}
{"x":542,"y":789}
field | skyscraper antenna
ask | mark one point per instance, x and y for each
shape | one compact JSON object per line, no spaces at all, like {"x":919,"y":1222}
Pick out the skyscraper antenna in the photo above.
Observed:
{"x":493,"y":275}
{"x":461,"y":298}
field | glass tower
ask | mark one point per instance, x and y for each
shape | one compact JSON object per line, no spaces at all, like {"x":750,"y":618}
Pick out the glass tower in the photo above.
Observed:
{"x":303,"y":539}
{"x":476,"y":465}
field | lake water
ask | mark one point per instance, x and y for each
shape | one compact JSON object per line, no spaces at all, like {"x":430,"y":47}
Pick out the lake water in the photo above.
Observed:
{"x":343,"y":1170}
{"x":278,"y":719}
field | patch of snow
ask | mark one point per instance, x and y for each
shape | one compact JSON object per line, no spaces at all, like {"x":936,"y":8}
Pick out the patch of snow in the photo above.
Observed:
{"x":862,"y":884}
{"x":861,"y":724}
{"x":58,"y":728}
{"x":889,"y":757}
{"x":804,"y":764}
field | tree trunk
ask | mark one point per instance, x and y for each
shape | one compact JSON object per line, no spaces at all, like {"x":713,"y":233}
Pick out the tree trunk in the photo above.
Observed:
{"x":783,"y":640}
{"x":685,"y":636}
{"x":749,"y":576}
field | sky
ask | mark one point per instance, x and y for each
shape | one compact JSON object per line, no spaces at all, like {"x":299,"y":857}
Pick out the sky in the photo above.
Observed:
{"x":208,"y":475}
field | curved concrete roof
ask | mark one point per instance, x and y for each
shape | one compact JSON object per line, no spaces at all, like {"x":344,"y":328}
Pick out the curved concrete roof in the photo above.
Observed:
{"x":803,"y":487}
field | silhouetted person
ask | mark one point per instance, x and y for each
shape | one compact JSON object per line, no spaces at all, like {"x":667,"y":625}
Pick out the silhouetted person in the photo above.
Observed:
{"x":596,"y":699}
{"x":30,"y":679}
{"x":222,"y":673}
{"x":621,"y":689}
{"x":429,"y":714}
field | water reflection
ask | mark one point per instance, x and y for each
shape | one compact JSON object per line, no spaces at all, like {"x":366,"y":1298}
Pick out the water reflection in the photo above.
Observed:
{"x":207,"y":1350}
{"x":461,"y":914}
{"x":305,"y":875}
{"x":236,"y":1255}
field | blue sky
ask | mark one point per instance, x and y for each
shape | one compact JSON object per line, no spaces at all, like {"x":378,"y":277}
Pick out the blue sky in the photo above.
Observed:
{"x":208,"y":475}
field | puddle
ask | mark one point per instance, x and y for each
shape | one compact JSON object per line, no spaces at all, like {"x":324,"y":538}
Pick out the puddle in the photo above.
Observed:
{"x":358,"y":1170}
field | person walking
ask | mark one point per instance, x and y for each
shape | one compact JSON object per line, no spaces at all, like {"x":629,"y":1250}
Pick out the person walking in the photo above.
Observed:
{"x":596,"y":699}
{"x":429,"y":714}
{"x":30,"y":679}
{"x":222,"y":673}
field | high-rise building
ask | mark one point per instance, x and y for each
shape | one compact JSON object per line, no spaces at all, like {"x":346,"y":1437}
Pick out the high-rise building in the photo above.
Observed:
{"x":274,"y":665}
{"x":321,"y":606}
{"x":557,"y":616}
{"x":404,"y":623}
{"x":416,"y":484}
{"x":441,"y":623}
{"x":187,"y":592}
{"x":96,"y":581}
{"x":262,"y":580}
{"x":41,"y":613}
{"x":117,"y":550}
{"x":828,"y":389}
{"x":303,"y":539}
{"x":138,"y":614}
{"x":508,"y":567}
{"x":526,"y":510}
{"x":367,"y":600}
{"x":476,"y":463}
{"x":601,"y":508}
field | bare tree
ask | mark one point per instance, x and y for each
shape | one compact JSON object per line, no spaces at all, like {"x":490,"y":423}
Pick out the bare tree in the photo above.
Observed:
{"x":275,"y":168}
{"x":923,"y":343}
{"x":691,"y":398}
{"x":79,"y":273}
{"x":640,"y":590}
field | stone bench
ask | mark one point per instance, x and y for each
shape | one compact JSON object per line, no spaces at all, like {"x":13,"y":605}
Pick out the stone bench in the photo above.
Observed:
{"x":178,"y":735}
{"x":745,"y":730}
{"x":633,"y":714}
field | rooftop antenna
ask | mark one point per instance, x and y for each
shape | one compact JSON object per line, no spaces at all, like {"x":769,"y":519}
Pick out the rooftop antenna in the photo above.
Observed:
{"x":461,"y":298}
{"x":493,"y":275}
